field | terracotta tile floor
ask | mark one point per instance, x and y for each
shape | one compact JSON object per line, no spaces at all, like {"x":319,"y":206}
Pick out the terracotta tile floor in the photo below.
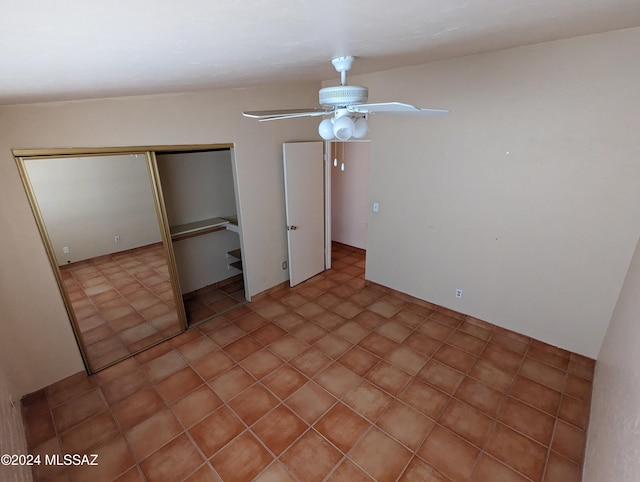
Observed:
{"x":332,"y":380}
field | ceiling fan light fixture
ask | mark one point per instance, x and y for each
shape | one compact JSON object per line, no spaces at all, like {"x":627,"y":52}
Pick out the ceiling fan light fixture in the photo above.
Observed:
{"x":343,"y":128}
{"x":360,"y":128}
{"x":325,"y":129}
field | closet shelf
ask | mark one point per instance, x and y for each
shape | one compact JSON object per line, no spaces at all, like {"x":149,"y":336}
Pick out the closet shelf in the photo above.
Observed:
{"x":236,"y":253}
{"x":197,"y":228}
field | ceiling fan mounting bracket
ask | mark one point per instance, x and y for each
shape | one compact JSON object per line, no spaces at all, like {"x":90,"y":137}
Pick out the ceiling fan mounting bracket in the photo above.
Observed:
{"x":343,"y":64}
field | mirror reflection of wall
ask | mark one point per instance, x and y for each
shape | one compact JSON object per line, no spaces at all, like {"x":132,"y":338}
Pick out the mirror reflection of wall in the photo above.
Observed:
{"x":100,"y":216}
{"x":200,"y":199}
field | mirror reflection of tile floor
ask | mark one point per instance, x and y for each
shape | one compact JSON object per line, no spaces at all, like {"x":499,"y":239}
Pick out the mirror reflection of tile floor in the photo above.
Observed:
{"x":206,"y":303}
{"x":331,"y":380}
{"x":123,"y":302}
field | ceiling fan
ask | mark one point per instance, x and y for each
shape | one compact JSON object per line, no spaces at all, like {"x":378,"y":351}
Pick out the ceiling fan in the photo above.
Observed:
{"x":348,"y":106}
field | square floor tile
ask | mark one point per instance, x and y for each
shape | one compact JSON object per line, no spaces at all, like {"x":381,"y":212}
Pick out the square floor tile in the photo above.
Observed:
{"x":489,"y":468}
{"x":358,"y":360}
{"x":449,"y":454}
{"x":481,"y":396}
{"x":467,"y":422}
{"x":242,"y":348}
{"x":424,"y":398}
{"x":82,"y":437}
{"x":562,"y":469}
{"x":275,"y":473}
{"x":114,"y":459}
{"x":253,"y":403}
{"x":242,"y":459}
{"x":380,"y":456}
{"x":528,"y":420}
{"x":441,"y":376}
{"x":419,"y":470}
{"x":152,"y":433}
{"x":569,"y":441}
{"x":231,"y":383}
{"x":368,"y":400}
{"x":279,"y":428}
{"x":536,"y":395}
{"x":308,"y":332}
{"x":405,"y":424}
{"x":283,"y":381}
{"x":342,"y":426}
{"x":310,"y":361}
{"x":215,"y":431}
{"x":333,"y":346}
{"x":261,"y":363}
{"x":179,"y":384}
{"x":310,"y":458}
{"x":78,"y":409}
{"x":267,"y":334}
{"x":196,"y":405}
{"x":288,"y":347}
{"x":422,"y":343}
{"x":337,"y":379}
{"x":455,"y":358}
{"x":174,"y":461}
{"x":138,"y":407}
{"x":517,"y":451}
{"x":388,"y":377}
{"x":406,"y":359}
{"x":310,"y":401}
{"x":488,"y":373}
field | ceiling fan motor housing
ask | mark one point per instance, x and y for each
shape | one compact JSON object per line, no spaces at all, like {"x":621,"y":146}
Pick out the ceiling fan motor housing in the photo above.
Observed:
{"x":343,"y":95}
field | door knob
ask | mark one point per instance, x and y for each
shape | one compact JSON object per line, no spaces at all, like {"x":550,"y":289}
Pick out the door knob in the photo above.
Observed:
{"x":292,"y":228}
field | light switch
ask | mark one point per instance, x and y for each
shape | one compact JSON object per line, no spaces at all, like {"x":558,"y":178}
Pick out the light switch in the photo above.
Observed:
{"x":376,"y":207}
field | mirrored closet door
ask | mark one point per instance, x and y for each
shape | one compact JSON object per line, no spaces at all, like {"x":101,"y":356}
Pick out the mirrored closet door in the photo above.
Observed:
{"x":101,"y":220}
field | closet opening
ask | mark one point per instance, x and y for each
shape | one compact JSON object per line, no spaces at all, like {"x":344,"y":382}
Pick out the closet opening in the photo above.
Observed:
{"x":201,"y":202}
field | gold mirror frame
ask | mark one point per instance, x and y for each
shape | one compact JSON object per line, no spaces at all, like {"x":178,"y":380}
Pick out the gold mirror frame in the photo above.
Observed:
{"x":22,"y":155}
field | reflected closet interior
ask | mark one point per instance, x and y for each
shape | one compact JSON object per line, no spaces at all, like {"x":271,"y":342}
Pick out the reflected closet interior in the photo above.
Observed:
{"x":142,"y":244}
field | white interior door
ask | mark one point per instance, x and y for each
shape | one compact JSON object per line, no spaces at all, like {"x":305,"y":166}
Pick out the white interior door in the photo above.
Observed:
{"x":304,"y":198}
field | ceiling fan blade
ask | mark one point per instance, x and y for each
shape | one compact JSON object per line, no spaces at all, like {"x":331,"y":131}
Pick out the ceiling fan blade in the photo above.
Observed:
{"x":267,"y":115}
{"x":394,"y":108}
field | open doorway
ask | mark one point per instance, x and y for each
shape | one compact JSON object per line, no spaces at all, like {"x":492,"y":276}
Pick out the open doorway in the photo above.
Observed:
{"x":348,"y":179}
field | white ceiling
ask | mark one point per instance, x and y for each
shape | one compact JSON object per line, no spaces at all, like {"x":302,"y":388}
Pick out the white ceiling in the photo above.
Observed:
{"x":75,"y":49}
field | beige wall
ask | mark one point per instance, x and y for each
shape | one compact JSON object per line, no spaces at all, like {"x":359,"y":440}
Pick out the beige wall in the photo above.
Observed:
{"x":527,"y":196}
{"x":36,"y":335}
{"x":350,"y":193}
{"x":87,"y":201}
{"x":613,"y":444}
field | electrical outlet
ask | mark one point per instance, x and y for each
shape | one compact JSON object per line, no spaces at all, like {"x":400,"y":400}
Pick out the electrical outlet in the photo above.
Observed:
{"x":65,"y":249}
{"x":458,"y":293}
{"x":116,"y":239}
{"x":284,"y":265}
